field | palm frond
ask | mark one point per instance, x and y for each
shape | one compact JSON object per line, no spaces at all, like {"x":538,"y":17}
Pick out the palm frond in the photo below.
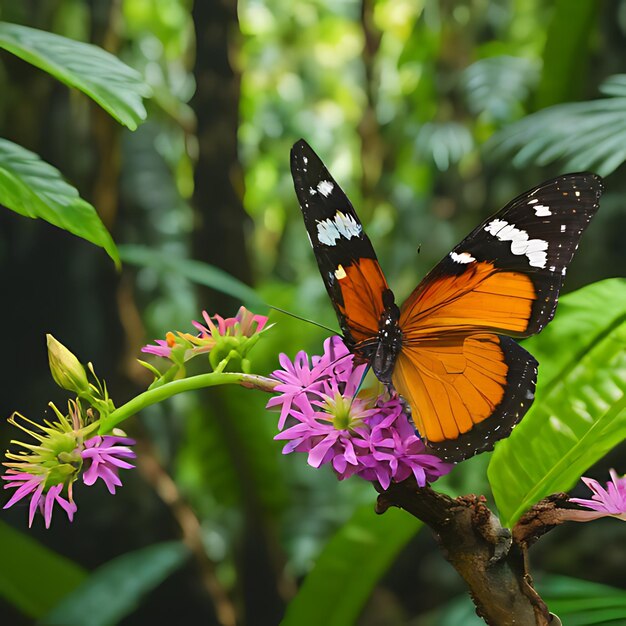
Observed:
{"x":581,"y":135}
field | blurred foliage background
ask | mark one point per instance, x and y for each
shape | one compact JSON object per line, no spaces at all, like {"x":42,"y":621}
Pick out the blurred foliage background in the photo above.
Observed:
{"x":432,"y":115}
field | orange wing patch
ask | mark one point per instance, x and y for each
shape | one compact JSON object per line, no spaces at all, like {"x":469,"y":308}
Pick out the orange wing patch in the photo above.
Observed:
{"x":451,"y":384}
{"x":362,"y":286}
{"x":482,"y":298}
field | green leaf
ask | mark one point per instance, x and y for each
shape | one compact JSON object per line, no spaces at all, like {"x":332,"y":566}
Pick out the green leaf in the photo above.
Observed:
{"x":115,"y":589}
{"x":35,"y":189}
{"x":583,"y":603}
{"x":498,"y":85}
{"x":576,"y":602}
{"x":351,"y":564}
{"x":195,"y":271}
{"x":445,"y":143}
{"x":580,"y":407}
{"x":117,"y":88}
{"x":582,"y":135}
{"x":34,"y":578}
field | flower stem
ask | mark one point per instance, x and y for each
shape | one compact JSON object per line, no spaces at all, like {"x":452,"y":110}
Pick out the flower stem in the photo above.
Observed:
{"x":152,"y":396}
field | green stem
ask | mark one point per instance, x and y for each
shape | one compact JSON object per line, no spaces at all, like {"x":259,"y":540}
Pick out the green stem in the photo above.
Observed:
{"x":152,"y":396}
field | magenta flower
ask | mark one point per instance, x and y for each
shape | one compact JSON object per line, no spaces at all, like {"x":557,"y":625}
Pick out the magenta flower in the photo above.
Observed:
{"x":33,"y":485}
{"x":307,"y":376}
{"x":103,"y":459}
{"x":368,"y":437}
{"x":604,"y":502}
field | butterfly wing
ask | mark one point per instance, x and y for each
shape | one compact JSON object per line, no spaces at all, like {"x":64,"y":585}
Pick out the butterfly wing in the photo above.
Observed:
{"x":467,"y":385}
{"x":465,"y":391}
{"x":505,"y":276}
{"x":344,"y":254}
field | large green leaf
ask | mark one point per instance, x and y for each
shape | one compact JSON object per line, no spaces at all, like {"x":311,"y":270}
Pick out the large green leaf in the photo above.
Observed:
{"x":195,"y":271}
{"x":34,"y":578}
{"x":576,"y":602}
{"x":115,"y":589}
{"x":583,"y":603}
{"x":34,"y":188}
{"x":346,"y":572}
{"x":580,"y":407}
{"x":117,"y":88}
{"x":582,"y":135}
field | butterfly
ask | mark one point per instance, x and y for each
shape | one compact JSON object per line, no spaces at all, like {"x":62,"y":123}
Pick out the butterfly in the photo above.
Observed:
{"x":449,"y":349}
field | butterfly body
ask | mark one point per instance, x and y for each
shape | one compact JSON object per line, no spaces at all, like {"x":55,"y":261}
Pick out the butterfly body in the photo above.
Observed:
{"x":447,"y":349}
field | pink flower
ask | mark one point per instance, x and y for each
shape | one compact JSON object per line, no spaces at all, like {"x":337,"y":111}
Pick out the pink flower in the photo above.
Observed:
{"x":163,"y":346}
{"x":32,"y":485}
{"x":245,"y":327}
{"x":604,"y":502}
{"x":244,"y":323}
{"x":369,"y":437}
{"x":48,"y":469}
{"x":103,"y":459}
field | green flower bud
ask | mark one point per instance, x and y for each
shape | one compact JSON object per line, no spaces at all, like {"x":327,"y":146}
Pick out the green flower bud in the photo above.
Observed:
{"x":66,"y":369}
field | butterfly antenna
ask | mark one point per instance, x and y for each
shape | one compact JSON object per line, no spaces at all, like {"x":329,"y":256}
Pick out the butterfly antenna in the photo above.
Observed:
{"x":304,"y":319}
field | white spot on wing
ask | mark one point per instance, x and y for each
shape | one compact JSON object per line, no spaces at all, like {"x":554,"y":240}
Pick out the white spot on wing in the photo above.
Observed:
{"x":332,"y":229}
{"x":534,"y":249}
{"x":463,"y":257}
{"x":312,"y":191}
{"x":305,"y":160}
{"x":562,"y":228}
{"x":542,"y":211}
{"x":325,"y":187}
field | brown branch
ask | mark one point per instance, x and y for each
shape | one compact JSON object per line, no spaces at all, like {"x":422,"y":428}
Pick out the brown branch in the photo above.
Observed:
{"x":540,"y":519}
{"x":487,"y":556}
{"x":167,"y":490}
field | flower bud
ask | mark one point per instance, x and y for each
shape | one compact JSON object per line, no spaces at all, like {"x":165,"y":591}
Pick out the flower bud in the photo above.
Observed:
{"x":66,"y":369}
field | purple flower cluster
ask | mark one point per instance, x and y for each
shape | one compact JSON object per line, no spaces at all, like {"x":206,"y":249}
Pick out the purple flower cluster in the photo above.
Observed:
{"x":365,"y":436}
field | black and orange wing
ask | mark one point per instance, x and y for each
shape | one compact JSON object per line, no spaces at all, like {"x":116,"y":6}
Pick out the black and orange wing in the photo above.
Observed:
{"x":505,"y":276}
{"x":465,"y":391}
{"x":344,"y":254}
{"x":466,"y":384}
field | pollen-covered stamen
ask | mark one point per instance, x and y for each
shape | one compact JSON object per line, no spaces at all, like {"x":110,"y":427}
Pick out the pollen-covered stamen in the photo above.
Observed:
{"x":345,"y":412}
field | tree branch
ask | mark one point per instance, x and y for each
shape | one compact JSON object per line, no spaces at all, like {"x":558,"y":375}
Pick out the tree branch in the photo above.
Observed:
{"x":490,"y":559}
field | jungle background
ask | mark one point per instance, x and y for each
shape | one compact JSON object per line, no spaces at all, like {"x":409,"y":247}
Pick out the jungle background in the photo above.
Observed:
{"x":425,"y":112}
